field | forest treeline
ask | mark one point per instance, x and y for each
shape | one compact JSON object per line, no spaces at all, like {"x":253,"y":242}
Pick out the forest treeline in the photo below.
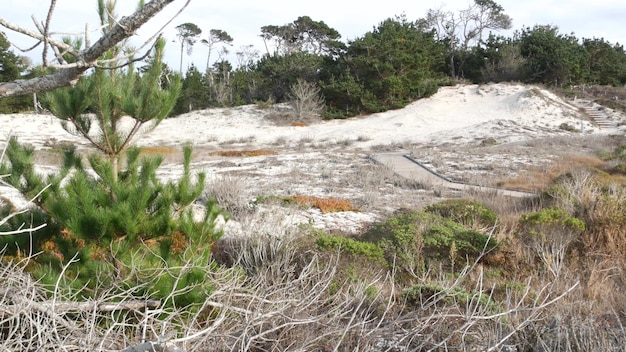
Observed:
{"x":398,"y":61}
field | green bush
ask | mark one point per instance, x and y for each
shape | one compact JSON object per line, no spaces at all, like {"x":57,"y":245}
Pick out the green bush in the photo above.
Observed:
{"x":133,"y":218}
{"x":464,"y":211}
{"x":24,"y":243}
{"x":115,"y":230}
{"x":348,"y":245}
{"x":549,"y":234}
{"x":450,"y":239}
{"x":550,"y":223}
{"x":412,"y":238}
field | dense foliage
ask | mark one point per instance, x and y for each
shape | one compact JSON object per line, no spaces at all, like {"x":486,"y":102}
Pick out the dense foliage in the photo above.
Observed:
{"x":12,"y":67}
{"x":398,"y":61}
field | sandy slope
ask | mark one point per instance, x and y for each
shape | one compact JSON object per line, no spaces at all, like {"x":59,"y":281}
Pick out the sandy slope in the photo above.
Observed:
{"x":461,"y":113}
{"x":330,"y":158}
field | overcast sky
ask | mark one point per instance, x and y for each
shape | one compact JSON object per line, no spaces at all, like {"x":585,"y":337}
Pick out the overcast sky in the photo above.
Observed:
{"x":243,"y":19}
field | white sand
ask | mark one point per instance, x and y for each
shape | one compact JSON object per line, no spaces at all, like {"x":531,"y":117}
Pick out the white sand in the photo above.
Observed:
{"x":458,"y":115}
{"x":462,"y":113}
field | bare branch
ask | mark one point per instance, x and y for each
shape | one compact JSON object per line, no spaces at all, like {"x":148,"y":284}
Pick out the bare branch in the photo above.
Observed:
{"x":46,"y":30}
{"x":86,"y":58}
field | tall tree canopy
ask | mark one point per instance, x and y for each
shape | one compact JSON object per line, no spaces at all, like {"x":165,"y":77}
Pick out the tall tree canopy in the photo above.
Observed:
{"x":188,"y":34}
{"x":12,"y":67}
{"x":458,"y":30}
{"x":303,"y":35}
{"x":606,"y":63}
{"x":551,"y":57}
{"x":397,"y":62}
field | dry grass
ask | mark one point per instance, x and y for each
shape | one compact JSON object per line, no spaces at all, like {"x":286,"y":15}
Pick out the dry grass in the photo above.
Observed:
{"x":538,"y":178}
{"x":159,"y":150}
{"x":244,"y":153}
{"x":326,"y":205}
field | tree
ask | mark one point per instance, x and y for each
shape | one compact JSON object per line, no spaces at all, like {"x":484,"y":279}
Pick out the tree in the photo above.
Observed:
{"x":396,"y":63}
{"x":459,"y":30}
{"x":193,"y":93}
{"x":606,"y":63}
{"x":280,"y":72}
{"x":306,"y":101}
{"x":114,"y":221}
{"x":500,"y":59}
{"x":68,"y":73}
{"x":111,"y":95}
{"x":303,"y":34}
{"x":216,"y":36}
{"x":188,"y":33}
{"x":551,"y":57}
{"x":12,"y":67}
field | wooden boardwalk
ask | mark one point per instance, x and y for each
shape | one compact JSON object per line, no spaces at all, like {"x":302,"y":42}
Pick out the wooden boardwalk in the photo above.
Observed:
{"x":411,"y":169}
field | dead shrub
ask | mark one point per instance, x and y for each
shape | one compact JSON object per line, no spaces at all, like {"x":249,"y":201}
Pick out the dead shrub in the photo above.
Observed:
{"x":538,"y":178}
{"x":230,"y":193}
{"x":306,"y":100}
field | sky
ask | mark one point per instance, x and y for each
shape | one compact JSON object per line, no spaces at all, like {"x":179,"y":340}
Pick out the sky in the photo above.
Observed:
{"x":243,"y":19}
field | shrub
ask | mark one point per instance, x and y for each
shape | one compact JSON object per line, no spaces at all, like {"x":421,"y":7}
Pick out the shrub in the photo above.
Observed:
{"x":449,"y":239}
{"x":307,"y":100}
{"x":229,"y":191}
{"x":412,"y":238}
{"x":549,"y":233}
{"x":245,"y":153}
{"x":24,"y":243}
{"x":113,"y":227}
{"x":567,"y":127}
{"x":326,"y":205}
{"x":465,"y":211}
{"x":352,"y":246}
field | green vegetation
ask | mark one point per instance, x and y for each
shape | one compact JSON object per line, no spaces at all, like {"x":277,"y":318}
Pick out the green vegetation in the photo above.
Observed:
{"x":351,"y":246}
{"x":423,"y":295}
{"x":400,"y":60}
{"x":114,"y":225}
{"x":454,"y":275}
{"x":417,"y":240}
{"x":465,"y":211}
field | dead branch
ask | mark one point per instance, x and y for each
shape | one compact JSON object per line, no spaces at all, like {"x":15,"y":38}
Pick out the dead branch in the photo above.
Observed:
{"x":86,"y":58}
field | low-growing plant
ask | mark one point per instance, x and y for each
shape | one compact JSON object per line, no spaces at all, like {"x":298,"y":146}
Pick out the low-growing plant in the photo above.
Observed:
{"x":465,"y":211}
{"x":351,"y":246}
{"x":455,"y":241}
{"x":567,"y":127}
{"x":422,"y":295}
{"x":158,"y":150}
{"x":229,"y":191}
{"x":413,"y":240}
{"x":549,"y":233}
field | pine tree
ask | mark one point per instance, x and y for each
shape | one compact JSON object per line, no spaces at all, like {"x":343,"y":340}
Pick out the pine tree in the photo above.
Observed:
{"x":109,"y":108}
{"x":121,"y":221}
